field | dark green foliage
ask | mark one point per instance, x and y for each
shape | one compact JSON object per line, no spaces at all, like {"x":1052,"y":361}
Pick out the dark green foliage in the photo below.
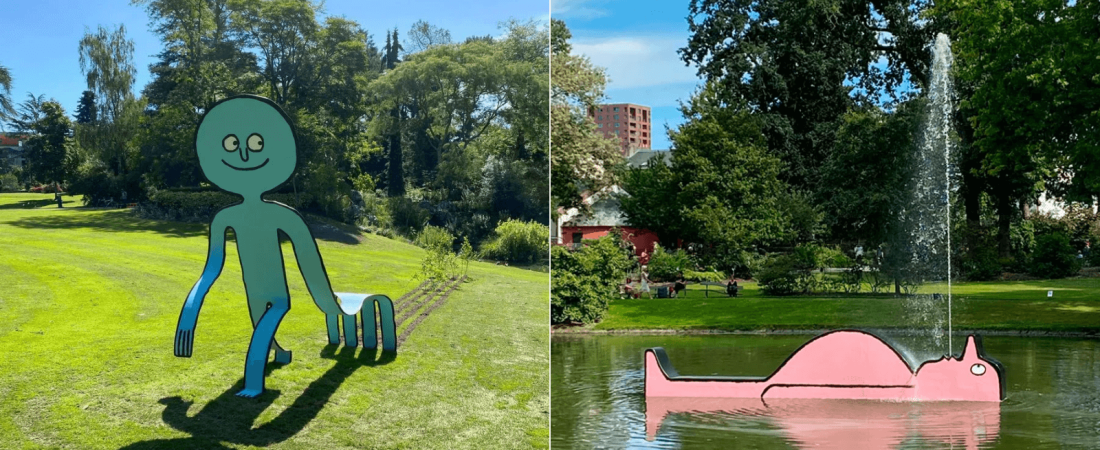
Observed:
{"x":980,"y":262}
{"x":434,"y":237}
{"x":668,"y":265}
{"x":49,"y":156}
{"x":863,"y":182}
{"x":86,"y":110}
{"x":797,"y":272}
{"x":723,"y":188}
{"x":583,"y":281}
{"x":518,"y":241}
{"x":190,"y":205}
{"x":1054,"y":257}
{"x":791,"y":62}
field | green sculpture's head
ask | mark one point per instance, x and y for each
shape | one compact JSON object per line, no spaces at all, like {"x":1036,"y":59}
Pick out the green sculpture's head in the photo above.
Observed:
{"x":246,"y":145}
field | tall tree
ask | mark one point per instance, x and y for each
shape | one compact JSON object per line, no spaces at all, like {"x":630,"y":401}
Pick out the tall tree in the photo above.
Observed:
{"x":802,"y":66}
{"x":723,"y":188}
{"x":1027,"y":98}
{"x":582,"y":159}
{"x":395,"y":182}
{"x":106,"y":59}
{"x":28,"y":113}
{"x":86,"y":112}
{"x":48,"y":149}
{"x":423,"y":35}
{"x":7,"y":108}
{"x":284,"y":32}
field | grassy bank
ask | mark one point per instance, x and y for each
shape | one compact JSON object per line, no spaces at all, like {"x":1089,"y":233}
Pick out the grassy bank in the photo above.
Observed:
{"x":88,"y":306}
{"x":1006,"y":306}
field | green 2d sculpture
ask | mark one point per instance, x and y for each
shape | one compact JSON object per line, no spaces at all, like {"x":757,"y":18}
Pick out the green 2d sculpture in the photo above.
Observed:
{"x":246,"y":146}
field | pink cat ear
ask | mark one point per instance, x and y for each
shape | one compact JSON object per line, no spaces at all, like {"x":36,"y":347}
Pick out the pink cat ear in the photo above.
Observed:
{"x":970,"y":352}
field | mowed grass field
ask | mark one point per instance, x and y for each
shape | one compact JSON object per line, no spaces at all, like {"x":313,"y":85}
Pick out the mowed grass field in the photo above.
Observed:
{"x":1001,"y":306}
{"x":88,"y":306}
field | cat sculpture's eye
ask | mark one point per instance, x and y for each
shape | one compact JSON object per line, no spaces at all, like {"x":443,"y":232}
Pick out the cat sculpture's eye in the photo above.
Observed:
{"x":977,"y":369}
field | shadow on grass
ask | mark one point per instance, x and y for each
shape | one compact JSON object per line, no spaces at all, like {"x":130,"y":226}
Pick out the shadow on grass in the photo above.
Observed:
{"x":112,"y":221}
{"x":32,"y":204}
{"x":229,"y":419}
{"x":124,"y":221}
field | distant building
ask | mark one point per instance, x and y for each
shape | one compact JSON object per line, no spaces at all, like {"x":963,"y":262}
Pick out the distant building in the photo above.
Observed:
{"x":627,"y":122}
{"x":573,"y":227}
{"x":11,"y":149}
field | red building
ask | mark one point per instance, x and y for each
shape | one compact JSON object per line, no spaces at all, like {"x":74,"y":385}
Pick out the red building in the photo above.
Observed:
{"x":604,"y":213}
{"x":627,"y":122}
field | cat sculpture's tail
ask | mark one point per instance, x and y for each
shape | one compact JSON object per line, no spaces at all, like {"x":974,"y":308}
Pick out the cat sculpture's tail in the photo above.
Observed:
{"x":353,"y":304}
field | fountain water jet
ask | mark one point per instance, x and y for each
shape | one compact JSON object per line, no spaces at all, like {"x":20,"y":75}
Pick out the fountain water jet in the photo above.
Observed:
{"x":925,"y":233}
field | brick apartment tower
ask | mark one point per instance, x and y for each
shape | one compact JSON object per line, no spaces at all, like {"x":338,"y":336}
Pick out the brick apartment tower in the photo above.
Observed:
{"x":627,"y":122}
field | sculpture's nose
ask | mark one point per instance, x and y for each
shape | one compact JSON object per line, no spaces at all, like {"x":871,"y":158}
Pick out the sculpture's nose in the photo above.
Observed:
{"x":244,"y":153}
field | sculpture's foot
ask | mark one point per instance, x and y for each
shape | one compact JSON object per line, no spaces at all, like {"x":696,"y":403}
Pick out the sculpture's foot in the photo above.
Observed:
{"x":249,"y":393}
{"x":283,"y":356}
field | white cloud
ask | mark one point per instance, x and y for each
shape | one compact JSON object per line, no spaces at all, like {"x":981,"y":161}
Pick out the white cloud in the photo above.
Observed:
{"x":577,"y":9}
{"x":633,"y":62}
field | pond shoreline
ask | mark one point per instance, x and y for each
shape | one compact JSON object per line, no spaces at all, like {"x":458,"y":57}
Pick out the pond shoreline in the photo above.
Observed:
{"x":558,"y":330}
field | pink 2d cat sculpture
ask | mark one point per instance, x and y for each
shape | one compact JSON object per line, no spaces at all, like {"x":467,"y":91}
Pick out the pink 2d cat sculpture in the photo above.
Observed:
{"x":845,"y":364}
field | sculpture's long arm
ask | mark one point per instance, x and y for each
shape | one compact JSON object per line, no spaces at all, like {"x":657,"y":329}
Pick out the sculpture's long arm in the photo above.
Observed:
{"x":311,"y":266}
{"x":189,"y":316}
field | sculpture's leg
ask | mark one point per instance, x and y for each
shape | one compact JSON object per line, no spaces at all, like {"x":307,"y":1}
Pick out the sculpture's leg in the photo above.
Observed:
{"x":370,"y":335}
{"x":262,"y":338}
{"x":256,"y":311}
{"x":351,"y":335}
{"x":386,"y":322}
{"x":282,"y":355}
{"x":332,"y":323}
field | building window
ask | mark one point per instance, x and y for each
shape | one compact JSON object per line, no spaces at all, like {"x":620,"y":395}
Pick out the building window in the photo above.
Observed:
{"x":599,"y":125}
{"x":616,"y":110}
{"x":616,"y":132}
{"x":599,"y":117}
{"x":643,"y":134}
{"x":616,"y":117}
{"x":616,"y":124}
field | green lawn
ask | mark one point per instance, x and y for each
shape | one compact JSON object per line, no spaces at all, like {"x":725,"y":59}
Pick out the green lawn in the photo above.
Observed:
{"x":88,"y":306}
{"x":1007,"y":306}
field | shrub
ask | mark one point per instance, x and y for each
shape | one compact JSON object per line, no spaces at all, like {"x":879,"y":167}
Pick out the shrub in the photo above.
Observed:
{"x":667,"y":265}
{"x":584,"y":280}
{"x":439,"y":264}
{"x":1054,"y":257}
{"x":9,"y":182}
{"x":406,"y":215}
{"x":185,"y":206}
{"x":980,"y":262}
{"x":518,"y":241}
{"x":434,"y":237}
{"x":779,"y":276}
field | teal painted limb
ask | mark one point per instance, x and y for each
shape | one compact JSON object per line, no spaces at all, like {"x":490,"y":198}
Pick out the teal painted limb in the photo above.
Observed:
{"x":351,"y":335}
{"x":386,"y":319}
{"x":258,"y":349}
{"x":283,"y":356}
{"x":370,"y":328}
{"x":311,"y":266}
{"x":189,"y":315}
{"x":332,"y":323}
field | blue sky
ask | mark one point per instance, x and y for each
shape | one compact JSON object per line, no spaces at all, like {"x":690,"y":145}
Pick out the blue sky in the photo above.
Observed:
{"x":41,"y":37}
{"x":636,"y":41}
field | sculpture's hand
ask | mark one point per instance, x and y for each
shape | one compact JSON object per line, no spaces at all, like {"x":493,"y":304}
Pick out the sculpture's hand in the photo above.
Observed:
{"x":185,"y":340}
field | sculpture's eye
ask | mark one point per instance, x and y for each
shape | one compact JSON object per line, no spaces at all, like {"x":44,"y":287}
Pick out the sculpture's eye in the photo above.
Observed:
{"x":230,"y":143}
{"x":255,"y":142}
{"x":977,"y":369}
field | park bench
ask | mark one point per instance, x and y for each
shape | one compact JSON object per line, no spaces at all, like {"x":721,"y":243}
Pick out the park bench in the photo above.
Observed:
{"x":722,"y":284}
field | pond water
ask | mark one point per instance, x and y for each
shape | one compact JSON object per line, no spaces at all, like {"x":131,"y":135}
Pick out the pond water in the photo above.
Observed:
{"x":1053,"y":400}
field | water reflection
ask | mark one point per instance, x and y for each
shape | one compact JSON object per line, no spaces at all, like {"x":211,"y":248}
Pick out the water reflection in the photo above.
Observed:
{"x":1053,"y":400}
{"x":843,"y":424}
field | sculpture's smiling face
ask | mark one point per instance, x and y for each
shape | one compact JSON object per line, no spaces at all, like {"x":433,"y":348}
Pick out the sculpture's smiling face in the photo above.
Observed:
{"x":246,"y":146}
